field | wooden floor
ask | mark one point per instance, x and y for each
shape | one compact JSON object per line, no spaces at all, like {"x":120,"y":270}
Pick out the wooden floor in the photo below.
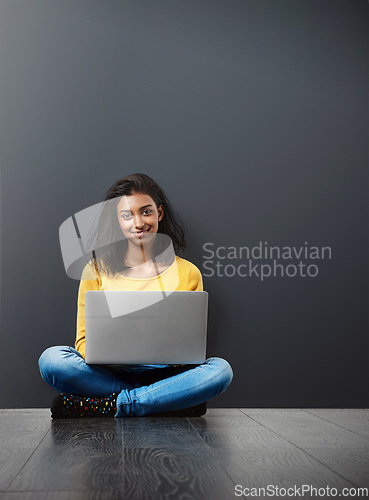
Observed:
{"x":181,"y":458}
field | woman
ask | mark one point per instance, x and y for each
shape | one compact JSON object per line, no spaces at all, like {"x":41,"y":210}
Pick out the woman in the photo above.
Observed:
{"x":131,"y":252}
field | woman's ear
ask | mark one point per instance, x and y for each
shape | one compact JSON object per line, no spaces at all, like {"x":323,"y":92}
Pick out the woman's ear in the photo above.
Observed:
{"x":160,"y":212}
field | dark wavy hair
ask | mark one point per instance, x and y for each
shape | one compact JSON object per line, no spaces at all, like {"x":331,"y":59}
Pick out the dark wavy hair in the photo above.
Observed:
{"x":110,"y":249}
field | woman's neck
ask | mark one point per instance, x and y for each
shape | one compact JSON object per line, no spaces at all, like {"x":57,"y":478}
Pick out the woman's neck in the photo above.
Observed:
{"x":138,"y":255}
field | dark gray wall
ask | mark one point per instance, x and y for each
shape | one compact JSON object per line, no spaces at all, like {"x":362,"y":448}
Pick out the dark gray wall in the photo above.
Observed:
{"x":253,"y":117}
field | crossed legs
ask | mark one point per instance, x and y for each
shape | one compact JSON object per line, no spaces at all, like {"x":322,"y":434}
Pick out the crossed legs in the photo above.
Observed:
{"x":142,"y":389}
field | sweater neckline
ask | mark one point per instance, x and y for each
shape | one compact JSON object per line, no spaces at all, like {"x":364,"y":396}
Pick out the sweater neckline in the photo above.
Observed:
{"x":153,"y":277}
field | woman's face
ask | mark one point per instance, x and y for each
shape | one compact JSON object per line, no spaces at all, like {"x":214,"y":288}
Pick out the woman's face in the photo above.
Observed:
{"x":139,"y":217}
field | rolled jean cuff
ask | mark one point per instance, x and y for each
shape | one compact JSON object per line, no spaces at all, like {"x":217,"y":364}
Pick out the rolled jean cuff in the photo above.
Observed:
{"x":124,"y":404}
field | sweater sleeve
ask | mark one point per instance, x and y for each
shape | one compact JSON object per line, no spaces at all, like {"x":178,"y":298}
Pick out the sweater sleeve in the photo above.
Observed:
{"x":90,"y":280}
{"x":195,"y":279}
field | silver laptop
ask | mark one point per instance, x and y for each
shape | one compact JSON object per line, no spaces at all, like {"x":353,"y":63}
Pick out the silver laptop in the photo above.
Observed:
{"x":141,"y":327}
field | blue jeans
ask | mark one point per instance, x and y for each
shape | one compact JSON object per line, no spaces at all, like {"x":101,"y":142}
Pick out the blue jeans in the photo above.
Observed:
{"x":142,"y":389}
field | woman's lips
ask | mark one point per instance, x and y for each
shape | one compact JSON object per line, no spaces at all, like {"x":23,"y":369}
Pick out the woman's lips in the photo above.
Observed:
{"x":138,"y":234}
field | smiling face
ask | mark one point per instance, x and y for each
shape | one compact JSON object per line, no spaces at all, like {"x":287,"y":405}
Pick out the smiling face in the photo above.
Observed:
{"x":139,"y":218}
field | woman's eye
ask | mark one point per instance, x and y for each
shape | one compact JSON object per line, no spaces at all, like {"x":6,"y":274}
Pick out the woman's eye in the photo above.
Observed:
{"x":126,"y":216}
{"x":147,"y":211}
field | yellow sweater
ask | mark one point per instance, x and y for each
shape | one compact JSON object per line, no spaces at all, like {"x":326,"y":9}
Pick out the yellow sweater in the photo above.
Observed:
{"x":181,"y":275}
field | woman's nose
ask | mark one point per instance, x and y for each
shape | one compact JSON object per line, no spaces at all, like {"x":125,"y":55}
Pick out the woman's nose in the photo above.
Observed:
{"x":138,"y":222}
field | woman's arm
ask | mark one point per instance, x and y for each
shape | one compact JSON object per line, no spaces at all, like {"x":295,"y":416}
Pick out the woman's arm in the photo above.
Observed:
{"x":195,"y":279}
{"x":90,"y":280}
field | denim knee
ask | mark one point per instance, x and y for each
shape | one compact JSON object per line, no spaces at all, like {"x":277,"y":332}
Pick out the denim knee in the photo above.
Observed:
{"x":51,"y":363}
{"x":224,"y":372}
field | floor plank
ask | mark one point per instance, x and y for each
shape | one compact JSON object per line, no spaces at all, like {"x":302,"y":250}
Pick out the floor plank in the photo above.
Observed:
{"x":21,"y":431}
{"x":232,"y":430}
{"x":83,"y":452}
{"x":287,"y":469}
{"x":188,"y":467}
{"x":23,"y":428}
{"x":160,"y":473}
{"x":142,"y":457}
{"x":353,"y":420}
{"x":11,"y":462}
{"x":62,"y":495}
{"x":306,"y":430}
{"x":255,"y":456}
{"x":36,"y":495}
{"x":349,"y":463}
